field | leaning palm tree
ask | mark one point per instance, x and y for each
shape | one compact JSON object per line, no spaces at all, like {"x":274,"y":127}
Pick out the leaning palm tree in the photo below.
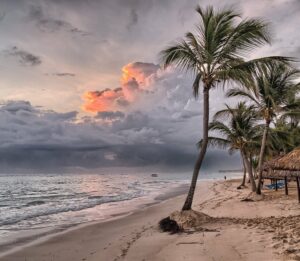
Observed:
{"x":240,"y":133}
{"x":273,"y":85}
{"x":216,"y":54}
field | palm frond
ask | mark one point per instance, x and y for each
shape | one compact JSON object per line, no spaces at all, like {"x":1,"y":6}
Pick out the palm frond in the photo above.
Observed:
{"x":238,"y":92}
{"x":196,"y":85}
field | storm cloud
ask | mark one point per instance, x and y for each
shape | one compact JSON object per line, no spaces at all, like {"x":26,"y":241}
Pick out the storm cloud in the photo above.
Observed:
{"x":145,"y":136}
{"x":160,"y":129}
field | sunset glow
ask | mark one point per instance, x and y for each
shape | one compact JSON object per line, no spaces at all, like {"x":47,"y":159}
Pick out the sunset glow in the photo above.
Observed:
{"x":134,"y":81}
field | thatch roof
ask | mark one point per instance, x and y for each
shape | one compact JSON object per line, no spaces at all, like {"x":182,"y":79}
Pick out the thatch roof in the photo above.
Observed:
{"x":280,"y":174}
{"x":283,"y":166}
{"x":270,"y":163}
{"x":290,"y":161}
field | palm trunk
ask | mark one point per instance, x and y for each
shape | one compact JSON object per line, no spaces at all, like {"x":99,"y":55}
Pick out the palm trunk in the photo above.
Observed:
{"x":253,"y":170}
{"x":261,"y":156}
{"x":189,"y":199}
{"x":249,"y":170}
{"x":245,"y":172}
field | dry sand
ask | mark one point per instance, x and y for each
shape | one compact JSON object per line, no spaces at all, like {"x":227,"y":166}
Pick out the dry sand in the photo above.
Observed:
{"x":263,"y":230}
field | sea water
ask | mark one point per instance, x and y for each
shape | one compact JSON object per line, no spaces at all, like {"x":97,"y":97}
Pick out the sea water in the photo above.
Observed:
{"x":33,"y":205}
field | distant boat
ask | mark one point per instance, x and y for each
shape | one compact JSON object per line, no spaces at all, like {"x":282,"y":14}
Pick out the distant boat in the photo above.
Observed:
{"x":154,"y":175}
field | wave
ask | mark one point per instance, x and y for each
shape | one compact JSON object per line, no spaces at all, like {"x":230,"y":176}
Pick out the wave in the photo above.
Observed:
{"x":93,"y":201}
{"x":35,"y":203}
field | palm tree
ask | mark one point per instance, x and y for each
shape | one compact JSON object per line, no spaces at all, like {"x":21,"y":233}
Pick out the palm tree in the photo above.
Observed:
{"x":239,"y":133}
{"x":270,"y":94}
{"x":286,"y":126}
{"x":216,"y":54}
{"x":243,"y":184}
{"x":291,"y":115}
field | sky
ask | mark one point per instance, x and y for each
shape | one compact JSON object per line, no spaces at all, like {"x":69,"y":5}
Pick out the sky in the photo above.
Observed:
{"x":81,"y":86}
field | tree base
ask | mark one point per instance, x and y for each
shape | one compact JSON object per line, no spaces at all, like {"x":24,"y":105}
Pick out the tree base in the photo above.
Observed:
{"x":169,"y":225}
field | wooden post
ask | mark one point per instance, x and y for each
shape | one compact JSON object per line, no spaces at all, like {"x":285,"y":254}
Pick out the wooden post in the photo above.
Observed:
{"x":276,"y":186}
{"x":298,"y":188}
{"x":286,"y":185}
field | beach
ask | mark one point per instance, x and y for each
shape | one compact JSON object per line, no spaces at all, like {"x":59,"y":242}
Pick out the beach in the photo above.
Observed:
{"x":239,"y":230}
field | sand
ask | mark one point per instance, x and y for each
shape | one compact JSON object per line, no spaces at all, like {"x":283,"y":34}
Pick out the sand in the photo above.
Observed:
{"x":267,"y":229}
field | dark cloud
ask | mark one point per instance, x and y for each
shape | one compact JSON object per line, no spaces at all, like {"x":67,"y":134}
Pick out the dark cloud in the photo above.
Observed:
{"x":24,"y":57}
{"x":133,"y":121}
{"x":15,"y":106}
{"x":62,"y":74}
{"x":2,"y":15}
{"x":54,"y":158}
{"x":48,"y":24}
{"x":110,"y":115}
{"x":36,"y":139}
{"x":133,"y":19}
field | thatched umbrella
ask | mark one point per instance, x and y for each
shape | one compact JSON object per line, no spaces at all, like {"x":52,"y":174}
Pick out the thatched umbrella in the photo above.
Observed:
{"x":283,"y":167}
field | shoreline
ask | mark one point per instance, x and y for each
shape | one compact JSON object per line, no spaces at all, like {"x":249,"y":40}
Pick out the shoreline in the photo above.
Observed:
{"x":32,"y":240}
{"x":262,"y":230}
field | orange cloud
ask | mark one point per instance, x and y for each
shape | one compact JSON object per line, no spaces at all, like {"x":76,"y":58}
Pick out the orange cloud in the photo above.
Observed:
{"x":101,"y":100}
{"x":134,"y":81}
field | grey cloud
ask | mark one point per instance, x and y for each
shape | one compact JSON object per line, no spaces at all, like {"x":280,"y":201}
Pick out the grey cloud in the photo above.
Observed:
{"x":34,"y":138}
{"x":65,"y":74}
{"x":15,"y":106}
{"x":133,"y":19}
{"x":122,"y":102}
{"x":110,"y":115}
{"x":24,"y":57}
{"x":157,"y":155}
{"x":66,"y":116}
{"x":184,"y":115}
{"x":48,"y":24}
{"x":160,"y":128}
{"x":133,"y":120}
{"x":2,"y":15}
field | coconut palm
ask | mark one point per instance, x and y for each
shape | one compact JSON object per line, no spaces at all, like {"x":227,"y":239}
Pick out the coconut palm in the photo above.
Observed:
{"x":239,"y":133}
{"x":216,"y":54}
{"x":270,"y":94}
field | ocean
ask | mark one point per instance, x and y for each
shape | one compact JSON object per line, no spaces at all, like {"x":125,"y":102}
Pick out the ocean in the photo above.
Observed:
{"x":35,"y":205}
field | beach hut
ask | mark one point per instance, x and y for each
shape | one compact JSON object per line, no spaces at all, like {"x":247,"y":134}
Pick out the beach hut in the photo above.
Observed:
{"x":284,"y":168}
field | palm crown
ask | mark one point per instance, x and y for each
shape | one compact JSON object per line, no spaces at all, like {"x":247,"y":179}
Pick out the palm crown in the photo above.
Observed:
{"x":217,"y":51}
{"x":272,"y":90}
